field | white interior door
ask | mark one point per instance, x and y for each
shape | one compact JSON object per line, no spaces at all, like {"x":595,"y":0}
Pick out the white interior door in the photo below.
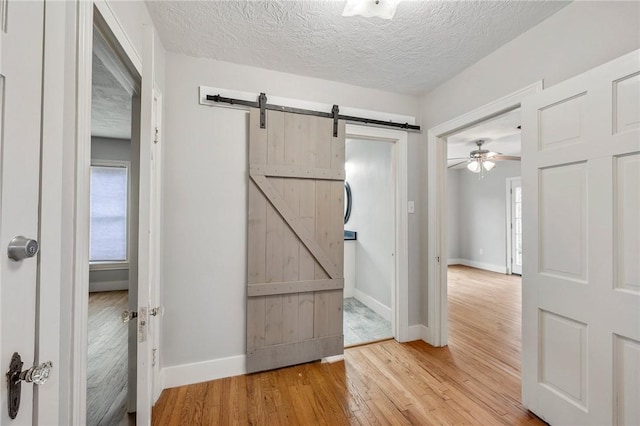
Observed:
{"x":516,"y":226}
{"x":147,"y":321}
{"x":581,"y":282}
{"x":21,"y":32}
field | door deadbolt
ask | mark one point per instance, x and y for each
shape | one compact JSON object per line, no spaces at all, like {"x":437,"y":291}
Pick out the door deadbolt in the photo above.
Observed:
{"x":38,"y":374}
{"x":21,"y":248}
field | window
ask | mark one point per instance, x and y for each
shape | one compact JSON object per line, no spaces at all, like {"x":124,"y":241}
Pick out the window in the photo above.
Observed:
{"x":109,"y":212}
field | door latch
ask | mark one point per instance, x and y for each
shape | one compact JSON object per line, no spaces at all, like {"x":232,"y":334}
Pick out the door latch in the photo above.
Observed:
{"x":158,"y":310}
{"x":38,"y":374}
{"x":128,"y":315}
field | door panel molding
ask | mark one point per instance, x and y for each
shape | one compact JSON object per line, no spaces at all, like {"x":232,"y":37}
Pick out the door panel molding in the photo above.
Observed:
{"x":575,"y":315}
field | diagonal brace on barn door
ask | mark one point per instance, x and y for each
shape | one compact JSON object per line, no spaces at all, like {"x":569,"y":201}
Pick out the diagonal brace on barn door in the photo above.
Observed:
{"x":296,"y":225}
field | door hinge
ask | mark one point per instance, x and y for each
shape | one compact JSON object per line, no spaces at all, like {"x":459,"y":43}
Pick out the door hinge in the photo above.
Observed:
{"x":154,"y":356}
{"x":438,"y":259}
{"x":156,"y":137}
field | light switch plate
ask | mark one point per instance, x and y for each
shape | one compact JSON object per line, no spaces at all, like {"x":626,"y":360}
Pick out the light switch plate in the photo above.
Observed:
{"x":411,"y":207}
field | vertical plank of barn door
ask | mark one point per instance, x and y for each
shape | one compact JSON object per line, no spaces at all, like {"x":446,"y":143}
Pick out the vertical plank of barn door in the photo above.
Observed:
{"x":257,"y":219}
{"x":335,"y":298}
{"x":275,"y":230}
{"x":294,"y":134}
{"x":308,"y":219}
{"x":323,"y":138}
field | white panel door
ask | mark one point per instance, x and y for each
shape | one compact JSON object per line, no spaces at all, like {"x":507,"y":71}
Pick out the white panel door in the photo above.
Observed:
{"x":581,"y":282}
{"x":21,"y":32}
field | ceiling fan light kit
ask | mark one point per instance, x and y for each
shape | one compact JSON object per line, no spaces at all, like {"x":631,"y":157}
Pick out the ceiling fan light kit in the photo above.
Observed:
{"x":384,"y":9}
{"x":480,"y":159}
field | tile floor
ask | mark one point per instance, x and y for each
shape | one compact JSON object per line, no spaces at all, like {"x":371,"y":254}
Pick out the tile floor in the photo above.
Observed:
{"x":362,"y":325}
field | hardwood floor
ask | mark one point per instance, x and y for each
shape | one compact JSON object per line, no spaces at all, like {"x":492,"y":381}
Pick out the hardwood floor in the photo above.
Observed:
{"x":475,"y":380}
{"x":107,"y":360}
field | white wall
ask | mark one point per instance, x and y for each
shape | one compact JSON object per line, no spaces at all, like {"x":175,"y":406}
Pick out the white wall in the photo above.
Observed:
{"x":369,"y":173}
{"x":110,"y":149}
{"x":575,"y":39}
{"x":349,"y":268}
{"x":481,"y":206}
{"x":453,"y":214}
{"x":204,"y":223}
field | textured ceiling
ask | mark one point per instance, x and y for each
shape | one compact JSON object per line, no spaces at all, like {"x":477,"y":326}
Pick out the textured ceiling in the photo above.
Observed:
{"x":426,"y":43}
{"x":500,"y":134}
{"x":110,"y":104}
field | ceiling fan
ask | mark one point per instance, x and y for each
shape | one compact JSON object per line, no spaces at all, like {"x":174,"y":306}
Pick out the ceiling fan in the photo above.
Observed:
{"x":480,"y":159}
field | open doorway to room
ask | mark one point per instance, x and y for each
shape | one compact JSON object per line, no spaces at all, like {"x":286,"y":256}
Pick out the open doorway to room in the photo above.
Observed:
{"x":369,"y":246}
{"x":115,"y":112}
{"x":484,"y":297}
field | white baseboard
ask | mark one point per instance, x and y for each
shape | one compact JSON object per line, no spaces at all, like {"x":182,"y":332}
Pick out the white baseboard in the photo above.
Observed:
{"x":480,"y":265}
{"x":188,"y":374}
{"x":108,"y":286}
{"x":418,"y":332}
{"x":373,"y":304}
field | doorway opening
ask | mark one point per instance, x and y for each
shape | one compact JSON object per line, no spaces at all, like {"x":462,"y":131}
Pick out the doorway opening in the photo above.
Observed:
{"x":369,"y":241}
{"x":484,"y":299}
{"x":390,"y":303}
{"x":113,"y":211}
{"x":437,"y":260}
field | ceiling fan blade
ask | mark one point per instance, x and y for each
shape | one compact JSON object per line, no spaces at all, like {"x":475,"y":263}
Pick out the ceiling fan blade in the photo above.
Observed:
{"x":492,"y":154}
{"x":505,"y":157}
{"x":457,"y":164}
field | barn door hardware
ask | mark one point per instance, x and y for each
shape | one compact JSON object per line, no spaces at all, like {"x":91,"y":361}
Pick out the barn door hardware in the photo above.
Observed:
{"x":262,"y":105}
{"x":38,"y":375}
{"x":334,"y":111}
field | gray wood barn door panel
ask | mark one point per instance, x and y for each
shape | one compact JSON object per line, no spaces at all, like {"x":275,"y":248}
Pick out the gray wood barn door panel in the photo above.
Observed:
{"x":295,"y":240}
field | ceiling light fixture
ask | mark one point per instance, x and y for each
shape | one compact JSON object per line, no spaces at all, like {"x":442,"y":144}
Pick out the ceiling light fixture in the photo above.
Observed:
{"x":479,"y":165}
{"x":384,"y":9}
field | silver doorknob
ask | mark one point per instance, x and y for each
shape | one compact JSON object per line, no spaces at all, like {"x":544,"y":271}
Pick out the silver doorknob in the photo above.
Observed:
{"x":128,"y":315}
{"x":21,"y":248}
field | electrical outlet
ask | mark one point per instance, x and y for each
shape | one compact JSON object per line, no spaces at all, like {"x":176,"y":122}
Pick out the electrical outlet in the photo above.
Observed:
{"x":411,"y":207}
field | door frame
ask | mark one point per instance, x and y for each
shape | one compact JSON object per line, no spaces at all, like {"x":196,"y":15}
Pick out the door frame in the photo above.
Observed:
{"x":438,"y":311}
{"x":80,"y":229}
{"x":400,"y":292}
{"x":509,"y":233}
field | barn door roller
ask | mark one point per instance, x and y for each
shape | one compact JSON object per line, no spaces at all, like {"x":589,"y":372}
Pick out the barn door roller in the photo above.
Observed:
{"x":334,"y":114}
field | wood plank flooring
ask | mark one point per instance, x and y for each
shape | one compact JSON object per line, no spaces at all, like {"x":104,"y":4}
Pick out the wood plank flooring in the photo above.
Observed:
{"x":475,"y":380}
{"x":107,"y":360}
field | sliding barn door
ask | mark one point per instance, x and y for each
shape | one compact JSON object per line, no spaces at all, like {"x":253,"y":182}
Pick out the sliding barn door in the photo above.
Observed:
{"x":581,"y":282}
{"x":295,"y":240}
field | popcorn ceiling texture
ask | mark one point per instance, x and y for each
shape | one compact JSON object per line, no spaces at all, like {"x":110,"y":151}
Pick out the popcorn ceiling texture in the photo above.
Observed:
{"x":426,"y":43}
